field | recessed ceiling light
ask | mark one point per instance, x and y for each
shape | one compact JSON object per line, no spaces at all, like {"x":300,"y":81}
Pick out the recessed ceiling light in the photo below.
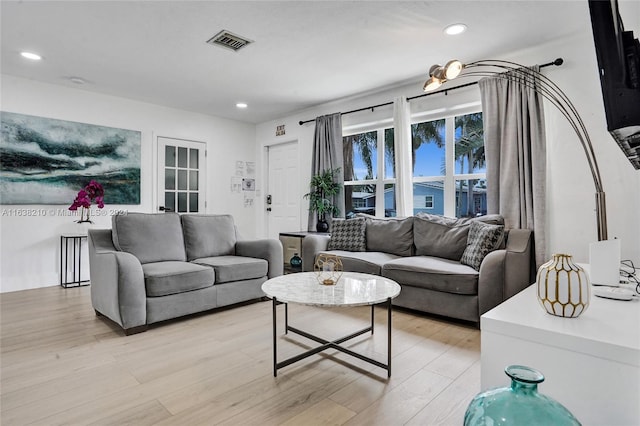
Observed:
{"x":241,"y":105}
{"x":455,"y":29}
{"x":31,"y":55}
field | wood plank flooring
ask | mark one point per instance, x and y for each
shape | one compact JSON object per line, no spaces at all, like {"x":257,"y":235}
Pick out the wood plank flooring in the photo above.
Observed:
{"x":60,"y":364}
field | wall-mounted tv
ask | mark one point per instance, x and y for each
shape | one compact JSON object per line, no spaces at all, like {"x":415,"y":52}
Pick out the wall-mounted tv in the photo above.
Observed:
{"x":618,"y":53}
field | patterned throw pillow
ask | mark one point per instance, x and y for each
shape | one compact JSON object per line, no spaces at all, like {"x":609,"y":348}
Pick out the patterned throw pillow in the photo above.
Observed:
{"x":482,"y":240}
{"x":348,"y":234}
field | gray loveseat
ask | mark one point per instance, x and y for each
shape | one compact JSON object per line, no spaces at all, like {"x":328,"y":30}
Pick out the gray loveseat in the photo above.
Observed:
{"x":153,"y":267}
{"x":423,"y":254}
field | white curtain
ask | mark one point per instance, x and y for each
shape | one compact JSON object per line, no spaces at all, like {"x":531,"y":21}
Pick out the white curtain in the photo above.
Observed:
{"x":516,"y":155}
{"x":403,"y":161}
{"x":327,"y":154}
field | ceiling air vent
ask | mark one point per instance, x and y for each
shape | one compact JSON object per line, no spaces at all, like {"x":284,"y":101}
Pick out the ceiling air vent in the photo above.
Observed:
{"x":229,"y":40}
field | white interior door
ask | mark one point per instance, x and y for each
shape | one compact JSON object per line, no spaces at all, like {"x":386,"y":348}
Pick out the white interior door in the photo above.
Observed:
{"x":283,"y":193}
{"x":181,"y":175}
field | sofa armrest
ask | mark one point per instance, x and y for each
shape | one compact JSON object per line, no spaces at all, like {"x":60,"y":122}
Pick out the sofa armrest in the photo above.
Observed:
{"x":504,"y":273}
{"x":268,"y":249}
{"x":311,"y":246}
{"x":117,"y":282}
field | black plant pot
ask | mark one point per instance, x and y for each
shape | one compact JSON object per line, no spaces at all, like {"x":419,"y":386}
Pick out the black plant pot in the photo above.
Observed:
{"x":322,"y":226}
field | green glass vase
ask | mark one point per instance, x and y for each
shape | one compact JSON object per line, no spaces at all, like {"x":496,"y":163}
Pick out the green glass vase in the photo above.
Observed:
{"x":519,"y":404}
{"x":296,"y":261}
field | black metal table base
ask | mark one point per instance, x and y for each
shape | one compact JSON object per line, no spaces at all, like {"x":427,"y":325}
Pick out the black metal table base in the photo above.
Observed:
{"x":329,"y":344}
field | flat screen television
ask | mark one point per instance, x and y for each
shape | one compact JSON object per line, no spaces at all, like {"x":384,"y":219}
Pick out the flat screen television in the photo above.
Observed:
{"x":618,"y":53}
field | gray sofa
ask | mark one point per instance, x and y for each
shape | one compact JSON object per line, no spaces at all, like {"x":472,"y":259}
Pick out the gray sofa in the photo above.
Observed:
{"x":423,"y":254}
{"x":154,"y":267}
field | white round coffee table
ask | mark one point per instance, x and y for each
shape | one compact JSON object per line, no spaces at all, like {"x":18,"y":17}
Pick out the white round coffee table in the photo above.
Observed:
{"x":352,"y":289}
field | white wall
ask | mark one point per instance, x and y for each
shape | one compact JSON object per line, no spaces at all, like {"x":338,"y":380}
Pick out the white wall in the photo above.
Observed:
{"x":570,"y":204}
{"x":29,"y":246}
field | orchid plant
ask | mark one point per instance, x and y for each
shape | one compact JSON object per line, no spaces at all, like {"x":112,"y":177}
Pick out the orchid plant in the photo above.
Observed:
{"x":90,"y":193}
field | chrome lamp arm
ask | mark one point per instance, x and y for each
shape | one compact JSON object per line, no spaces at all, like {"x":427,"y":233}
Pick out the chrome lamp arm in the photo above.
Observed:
{"x":542,"y":85}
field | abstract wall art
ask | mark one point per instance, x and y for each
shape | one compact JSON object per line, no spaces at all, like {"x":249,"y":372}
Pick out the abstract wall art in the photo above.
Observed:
{"x":46,"y":161}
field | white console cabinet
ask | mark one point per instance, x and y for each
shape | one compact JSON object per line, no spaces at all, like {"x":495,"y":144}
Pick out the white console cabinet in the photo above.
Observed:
{"x":591,"y":363}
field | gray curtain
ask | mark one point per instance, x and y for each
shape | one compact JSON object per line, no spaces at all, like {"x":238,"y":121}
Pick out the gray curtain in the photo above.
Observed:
{"x":327,"y":154}
{"x":516,"y":155}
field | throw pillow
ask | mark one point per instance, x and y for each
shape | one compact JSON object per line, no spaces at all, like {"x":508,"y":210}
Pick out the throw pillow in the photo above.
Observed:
{"x":482,"y":240}
{"x":348,"y":234}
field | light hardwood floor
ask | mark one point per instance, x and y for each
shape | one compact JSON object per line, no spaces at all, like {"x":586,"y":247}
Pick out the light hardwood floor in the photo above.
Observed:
{"x":63,"y":365}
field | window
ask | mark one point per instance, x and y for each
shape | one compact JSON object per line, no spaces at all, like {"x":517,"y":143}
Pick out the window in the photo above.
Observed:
{"x":428,"y":201}
{"x":448,"y":157}
{"x":369,"y":173}
{"x":448,"y":171}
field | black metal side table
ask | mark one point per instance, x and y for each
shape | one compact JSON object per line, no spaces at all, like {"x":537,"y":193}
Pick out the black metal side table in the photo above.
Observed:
{"x":71,"y":246}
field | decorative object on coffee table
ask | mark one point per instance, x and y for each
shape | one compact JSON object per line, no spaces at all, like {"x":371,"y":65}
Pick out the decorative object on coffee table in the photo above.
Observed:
{"x":328,"y":269}
{"x":323,"y":188}
{"x":564,"y":288}
{"x":518,"y":404}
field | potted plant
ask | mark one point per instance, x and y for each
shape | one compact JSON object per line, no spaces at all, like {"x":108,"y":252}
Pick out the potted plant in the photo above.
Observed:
{"x":92,"y":192}
{"x":322,"y":190}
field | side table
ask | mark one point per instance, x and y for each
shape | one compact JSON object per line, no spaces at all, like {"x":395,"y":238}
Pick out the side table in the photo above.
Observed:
{"x":292,"y":243}
{"x":71,"y":247}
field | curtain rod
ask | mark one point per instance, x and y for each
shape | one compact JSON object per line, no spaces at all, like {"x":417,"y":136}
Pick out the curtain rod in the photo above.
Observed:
{"x":556,"y":62}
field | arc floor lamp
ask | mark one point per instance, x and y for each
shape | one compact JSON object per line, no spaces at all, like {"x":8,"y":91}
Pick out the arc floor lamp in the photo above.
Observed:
{"x":541,"y":84}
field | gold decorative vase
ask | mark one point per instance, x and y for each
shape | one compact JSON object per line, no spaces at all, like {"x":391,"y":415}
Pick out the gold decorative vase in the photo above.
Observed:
{"x":564,"y":289}
{"x":328,"y":269}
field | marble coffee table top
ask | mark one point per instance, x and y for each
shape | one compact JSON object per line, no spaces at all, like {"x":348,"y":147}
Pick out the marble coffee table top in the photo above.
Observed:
{"x":352,"y":289}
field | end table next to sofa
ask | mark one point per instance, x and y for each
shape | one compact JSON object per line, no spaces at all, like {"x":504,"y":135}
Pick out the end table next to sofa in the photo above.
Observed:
{"x":291,"y":244}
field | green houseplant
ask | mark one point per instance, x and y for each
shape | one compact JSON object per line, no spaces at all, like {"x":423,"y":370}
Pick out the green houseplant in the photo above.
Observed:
{"x":322,"y":190}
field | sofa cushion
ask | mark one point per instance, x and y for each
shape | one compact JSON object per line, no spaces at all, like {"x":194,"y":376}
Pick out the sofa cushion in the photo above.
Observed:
{"x":208,"y":235}
{"x":443,"y":236}
{"x":149,"y":237}
{"x":348,"y":234}
{"x":235,"y":268}
{"x":367,"y":262}
{"x":440,"y":236}
{"x":170,"y":277}
{"x":483,"y":239}
{"x":390,"y":235}
{"x":433,"y":273}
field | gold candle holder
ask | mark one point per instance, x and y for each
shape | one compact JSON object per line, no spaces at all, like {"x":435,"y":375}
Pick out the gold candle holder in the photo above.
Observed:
{"x":328,"y":269}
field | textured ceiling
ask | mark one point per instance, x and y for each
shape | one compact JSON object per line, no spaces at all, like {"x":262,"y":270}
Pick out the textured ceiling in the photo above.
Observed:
{"x":305,"y":52}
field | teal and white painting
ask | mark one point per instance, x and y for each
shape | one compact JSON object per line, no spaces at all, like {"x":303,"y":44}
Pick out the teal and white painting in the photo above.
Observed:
{"x":47,"y":161}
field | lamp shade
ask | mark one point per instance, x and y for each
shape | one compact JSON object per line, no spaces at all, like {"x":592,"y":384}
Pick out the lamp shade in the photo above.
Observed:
{"x":432,"y":84}
{"x":452,"y":69}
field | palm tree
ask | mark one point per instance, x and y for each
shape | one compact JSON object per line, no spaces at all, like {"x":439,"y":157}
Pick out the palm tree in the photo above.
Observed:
{"x":469,"y":146}
{"x":365,"y":144}
{"x":427,"y":132}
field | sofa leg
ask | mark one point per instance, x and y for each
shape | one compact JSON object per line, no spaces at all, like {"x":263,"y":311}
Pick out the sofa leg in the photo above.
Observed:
{"x":98,"y":314}
{"x":135,"y":330}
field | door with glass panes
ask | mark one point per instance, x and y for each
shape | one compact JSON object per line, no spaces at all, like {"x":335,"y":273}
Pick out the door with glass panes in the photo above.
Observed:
{"x":181,"y":175}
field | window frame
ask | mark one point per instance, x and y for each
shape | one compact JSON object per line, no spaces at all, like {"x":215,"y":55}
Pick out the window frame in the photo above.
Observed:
{"x":380,"y":182}
{"x":450,"y":178}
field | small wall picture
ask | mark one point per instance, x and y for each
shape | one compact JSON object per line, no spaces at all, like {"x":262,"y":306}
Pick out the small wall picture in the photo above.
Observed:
{"x":248,"y":184}
{"x":280,"y":130}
